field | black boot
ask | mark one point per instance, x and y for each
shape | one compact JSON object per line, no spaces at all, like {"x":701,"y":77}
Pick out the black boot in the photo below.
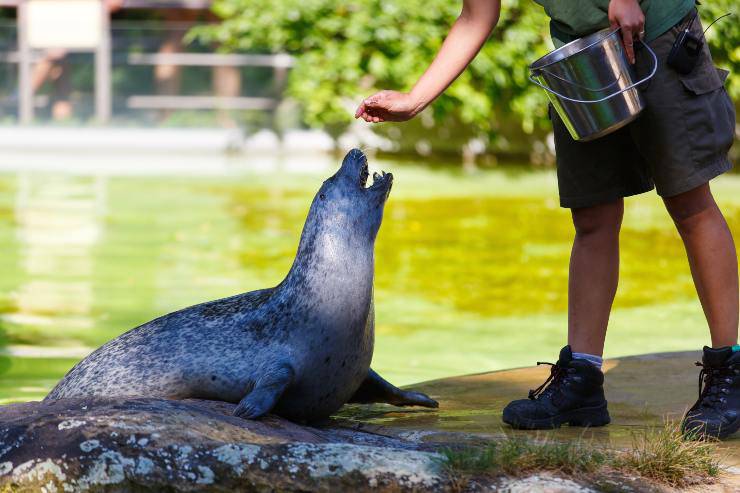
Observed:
{"x":573,"y":394}
{"x":716,"y":413}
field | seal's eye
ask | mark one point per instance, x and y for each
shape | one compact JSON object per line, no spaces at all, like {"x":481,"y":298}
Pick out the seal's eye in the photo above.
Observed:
{"x":322,"y":196}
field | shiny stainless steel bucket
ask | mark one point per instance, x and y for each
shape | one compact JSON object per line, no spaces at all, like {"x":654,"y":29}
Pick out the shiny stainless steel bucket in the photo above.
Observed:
{"x":590,"y":84}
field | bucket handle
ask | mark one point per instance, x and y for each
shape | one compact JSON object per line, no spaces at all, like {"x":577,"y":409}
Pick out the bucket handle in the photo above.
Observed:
{"x":634,"y":84}
{"x":616,"y":81}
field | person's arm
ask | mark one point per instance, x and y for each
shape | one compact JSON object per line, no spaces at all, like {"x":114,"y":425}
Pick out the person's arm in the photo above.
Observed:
{"x":466,"y":37}
{"x":470,"y":31}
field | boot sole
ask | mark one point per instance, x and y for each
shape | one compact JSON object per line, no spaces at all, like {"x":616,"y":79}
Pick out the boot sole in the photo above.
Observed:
{"x":718,"y":433}
{"x":729,"y":430}
{"x":584,"y":416}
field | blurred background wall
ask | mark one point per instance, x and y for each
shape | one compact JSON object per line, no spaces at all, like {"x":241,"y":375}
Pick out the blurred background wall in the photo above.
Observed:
{"x":151,"y":75}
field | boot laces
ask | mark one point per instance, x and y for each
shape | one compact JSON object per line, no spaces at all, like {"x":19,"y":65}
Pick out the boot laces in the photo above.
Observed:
{"x":557,"y":373}
{"x":713,"y":384}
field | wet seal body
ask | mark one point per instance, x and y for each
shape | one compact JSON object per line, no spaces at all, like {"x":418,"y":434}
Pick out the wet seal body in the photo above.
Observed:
{"x":301,"y":349}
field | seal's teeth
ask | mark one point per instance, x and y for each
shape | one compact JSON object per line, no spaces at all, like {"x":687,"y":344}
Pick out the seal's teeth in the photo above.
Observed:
{"x":363,"y":175}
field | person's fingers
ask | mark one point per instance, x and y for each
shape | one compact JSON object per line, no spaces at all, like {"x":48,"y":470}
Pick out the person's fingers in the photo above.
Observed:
{"x":628,"y":40}
{"x":360,"y":110}
{"x":374,"y":100}
{"x":376,"y":119}
{"x":628,"y":33}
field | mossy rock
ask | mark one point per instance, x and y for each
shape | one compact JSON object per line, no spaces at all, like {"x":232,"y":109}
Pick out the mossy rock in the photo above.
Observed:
{"x":163,"y":445}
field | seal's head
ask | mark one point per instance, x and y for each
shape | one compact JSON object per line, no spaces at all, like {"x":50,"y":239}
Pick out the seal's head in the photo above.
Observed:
{"x":345,"y":206}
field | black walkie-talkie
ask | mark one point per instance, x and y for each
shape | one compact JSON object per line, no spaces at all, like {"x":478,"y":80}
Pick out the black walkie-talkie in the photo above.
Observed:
{"x":687,"y":47}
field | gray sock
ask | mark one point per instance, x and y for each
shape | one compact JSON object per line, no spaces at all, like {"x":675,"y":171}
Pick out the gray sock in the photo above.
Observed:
{"x":597,"y":361}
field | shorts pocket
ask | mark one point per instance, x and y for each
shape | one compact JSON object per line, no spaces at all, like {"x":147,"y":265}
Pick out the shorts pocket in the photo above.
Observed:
{"x":705,"y":81}
{"x":708,"y":114}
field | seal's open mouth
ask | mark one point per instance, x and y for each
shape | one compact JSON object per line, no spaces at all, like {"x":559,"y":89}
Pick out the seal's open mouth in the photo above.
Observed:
{"x":381,"y":180}
{"x":355,"y":168}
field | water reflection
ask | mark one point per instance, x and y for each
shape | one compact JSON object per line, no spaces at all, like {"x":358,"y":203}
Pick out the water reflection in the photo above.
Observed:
{"x":471,"y":270}
{"x":59,"y":221}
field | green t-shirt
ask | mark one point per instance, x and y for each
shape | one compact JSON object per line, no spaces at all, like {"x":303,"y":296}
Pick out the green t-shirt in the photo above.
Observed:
{"x":575,"y":18}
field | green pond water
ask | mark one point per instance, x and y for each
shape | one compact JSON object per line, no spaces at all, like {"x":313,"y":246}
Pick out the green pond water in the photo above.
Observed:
{"x":471,"y":269}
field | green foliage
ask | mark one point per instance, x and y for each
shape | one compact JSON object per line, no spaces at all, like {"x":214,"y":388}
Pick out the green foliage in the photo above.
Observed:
{"x":348,"y":49}
{"x":724,"y":38}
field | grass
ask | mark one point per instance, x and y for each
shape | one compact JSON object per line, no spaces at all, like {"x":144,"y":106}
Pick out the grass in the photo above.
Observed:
{"x":661,"y":455}
{"x":519,"y":455}
{"x":664,"y":455}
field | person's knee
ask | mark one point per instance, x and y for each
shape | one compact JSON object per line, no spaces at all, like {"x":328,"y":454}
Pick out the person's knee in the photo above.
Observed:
{"x":686,"y":207}
{"x":598,"y":221}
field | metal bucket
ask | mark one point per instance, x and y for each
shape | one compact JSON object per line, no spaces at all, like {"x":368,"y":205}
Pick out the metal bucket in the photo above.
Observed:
{"x":590,"y":84}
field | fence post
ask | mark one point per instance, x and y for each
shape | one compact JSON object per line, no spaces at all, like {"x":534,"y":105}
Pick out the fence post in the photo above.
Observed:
{"x":103,"y":79}
{"x":25,"y":89}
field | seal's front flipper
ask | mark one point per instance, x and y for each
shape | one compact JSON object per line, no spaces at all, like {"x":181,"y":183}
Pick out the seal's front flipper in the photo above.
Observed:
{"x":266,"y":392}
{"x":377,"y":389}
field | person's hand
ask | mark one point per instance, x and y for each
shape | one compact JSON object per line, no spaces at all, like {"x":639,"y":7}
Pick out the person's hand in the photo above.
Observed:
{"x":388,"y":106}
{"x":627,"y":15}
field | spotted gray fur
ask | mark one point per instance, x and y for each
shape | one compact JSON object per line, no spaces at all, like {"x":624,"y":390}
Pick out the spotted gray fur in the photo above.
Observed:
{"x":301,"y":349}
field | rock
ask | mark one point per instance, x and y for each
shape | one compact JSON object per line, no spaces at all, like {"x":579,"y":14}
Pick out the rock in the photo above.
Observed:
{"x":153,"y":444}
{"x":543,"y":483}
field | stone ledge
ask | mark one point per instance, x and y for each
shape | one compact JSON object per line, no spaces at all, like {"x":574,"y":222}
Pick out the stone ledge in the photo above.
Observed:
{"x":141,"y":444}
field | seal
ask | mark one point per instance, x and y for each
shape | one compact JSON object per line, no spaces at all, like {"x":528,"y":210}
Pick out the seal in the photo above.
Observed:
{"x":300,"y":350}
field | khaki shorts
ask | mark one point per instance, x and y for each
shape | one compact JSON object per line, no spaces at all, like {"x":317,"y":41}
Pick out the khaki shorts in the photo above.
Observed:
{"x":679,"y":142}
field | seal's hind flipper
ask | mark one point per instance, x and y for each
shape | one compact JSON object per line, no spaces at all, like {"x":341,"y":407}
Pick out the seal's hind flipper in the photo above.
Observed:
{"x":266,"y":392}
{"x":376,"y":389}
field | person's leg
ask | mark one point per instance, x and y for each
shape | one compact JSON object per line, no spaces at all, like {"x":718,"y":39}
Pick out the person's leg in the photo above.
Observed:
{"x":574,"y":393}
{"x":713,"y":262}
{"x":712,"y":258}
{"x":594,"y":274}
{"x":593,"y":179}
{"x":684,"y":134}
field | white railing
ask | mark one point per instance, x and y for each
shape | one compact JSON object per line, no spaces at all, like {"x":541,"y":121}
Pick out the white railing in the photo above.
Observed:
{"x":279,"y":62}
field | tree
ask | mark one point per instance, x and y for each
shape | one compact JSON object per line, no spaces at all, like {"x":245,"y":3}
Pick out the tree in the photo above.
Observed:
{"x":346,"y":49}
